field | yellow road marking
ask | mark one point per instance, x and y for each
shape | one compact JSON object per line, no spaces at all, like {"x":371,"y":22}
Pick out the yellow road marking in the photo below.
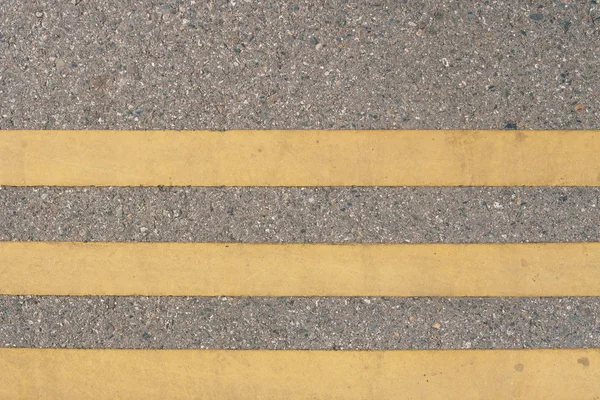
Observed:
{"x":246,"y":374}
{"x":212,"y":269}
{"x":300,"y":158}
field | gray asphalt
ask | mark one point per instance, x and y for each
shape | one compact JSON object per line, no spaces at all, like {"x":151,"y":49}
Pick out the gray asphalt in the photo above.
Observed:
{"x":309,"y":215}
{"x":250,"y":64}
{"x":299,"y":64}
{"x":299,"y":322}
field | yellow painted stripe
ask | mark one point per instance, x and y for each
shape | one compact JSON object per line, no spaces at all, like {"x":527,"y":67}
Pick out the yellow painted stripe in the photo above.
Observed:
{"x":300,"y":158}
{"x":212,"y":269}
{"x":225,"y":374}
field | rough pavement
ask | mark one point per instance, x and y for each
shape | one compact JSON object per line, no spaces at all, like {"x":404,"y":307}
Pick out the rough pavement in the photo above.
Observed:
{"x":120,"y":64}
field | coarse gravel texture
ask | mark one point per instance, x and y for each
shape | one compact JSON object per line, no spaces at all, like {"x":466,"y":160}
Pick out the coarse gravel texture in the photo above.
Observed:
{"x":249,"y":64}
{"x":299,"y":322}
{"x":301,"y":215}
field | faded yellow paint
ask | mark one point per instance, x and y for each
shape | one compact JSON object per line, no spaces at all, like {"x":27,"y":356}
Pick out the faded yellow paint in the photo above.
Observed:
{"x":211,"y":269}
{"x":299,"y":158}
{"x":246,"y":374}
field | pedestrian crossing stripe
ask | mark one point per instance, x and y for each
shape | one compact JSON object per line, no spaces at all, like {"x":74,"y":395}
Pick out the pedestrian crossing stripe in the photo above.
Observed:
{"x":300,"y":158}
{"x":247,"y":374}
{"x":243,"y":269}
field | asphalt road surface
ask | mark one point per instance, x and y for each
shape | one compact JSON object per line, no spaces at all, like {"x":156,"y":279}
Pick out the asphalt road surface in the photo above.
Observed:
{"x":300,"y":65}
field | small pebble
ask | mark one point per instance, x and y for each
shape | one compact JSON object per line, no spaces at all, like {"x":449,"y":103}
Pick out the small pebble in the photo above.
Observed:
{"x":536,"y":17}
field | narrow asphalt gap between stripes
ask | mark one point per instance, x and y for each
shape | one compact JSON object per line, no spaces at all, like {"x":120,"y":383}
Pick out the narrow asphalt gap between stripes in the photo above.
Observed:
{"x":299,"y":322}
{"x":301,"y":214}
